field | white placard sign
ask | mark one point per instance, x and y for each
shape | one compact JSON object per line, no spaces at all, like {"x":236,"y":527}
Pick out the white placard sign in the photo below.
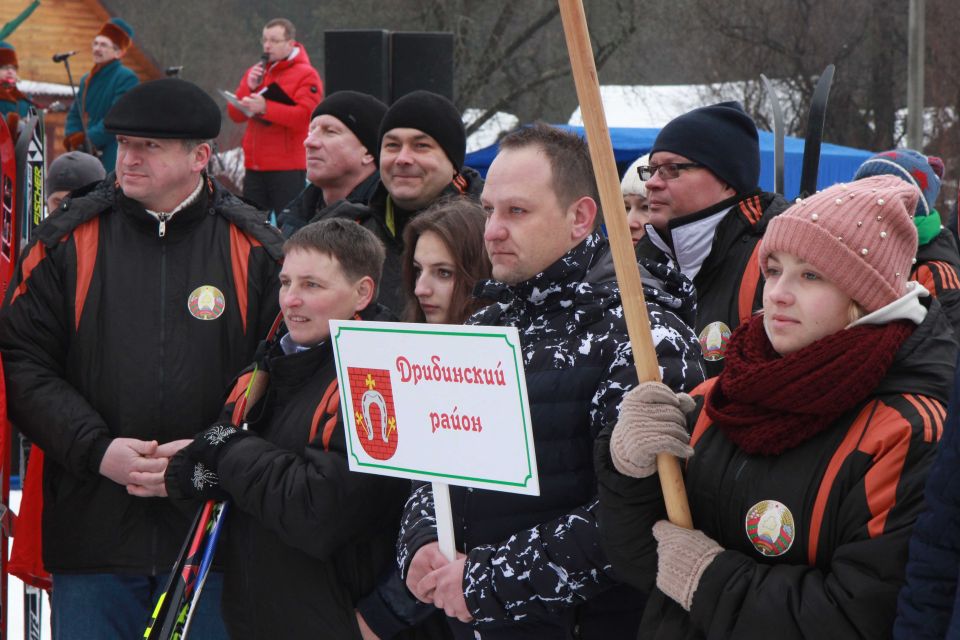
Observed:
{"x":439,"y":403}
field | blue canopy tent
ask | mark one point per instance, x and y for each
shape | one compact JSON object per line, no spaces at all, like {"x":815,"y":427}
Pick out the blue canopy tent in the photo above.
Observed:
{"x":837,"y":163}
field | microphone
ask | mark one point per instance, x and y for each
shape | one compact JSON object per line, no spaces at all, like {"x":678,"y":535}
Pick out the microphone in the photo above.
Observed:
{"x":173,"y":71}
{"x":60,"y":57}
{"x":264,"y":60}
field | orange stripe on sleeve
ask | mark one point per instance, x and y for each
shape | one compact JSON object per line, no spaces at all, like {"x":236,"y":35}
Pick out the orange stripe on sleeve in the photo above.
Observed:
{"x":924,"y":276}
{"x":888,"y":441}
{"x":847,"y":446}
{"x":703,"y":422}
{"x":924,"y":415}
{"x":328,"y":406}
{"x":236,"y":393}
{"x":749,"y":283}
{"x":86,"y":238}
{"x":36,"y":255}
{"x":240,"y":245}
{"x":948,"y":276}
{"x":938,"y":414}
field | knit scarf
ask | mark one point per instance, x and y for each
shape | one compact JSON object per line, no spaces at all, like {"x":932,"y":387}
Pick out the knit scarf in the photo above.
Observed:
{"x":11,"y":93}
{"x":766,"y":403}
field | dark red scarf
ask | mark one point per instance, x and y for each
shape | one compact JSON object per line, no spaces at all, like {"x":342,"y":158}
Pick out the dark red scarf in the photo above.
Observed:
{"x":767,"y":403}
{"x":11,"y":93}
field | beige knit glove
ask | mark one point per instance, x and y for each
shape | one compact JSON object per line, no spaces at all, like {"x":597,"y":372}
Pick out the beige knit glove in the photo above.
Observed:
{"x":652,"y":420}
{"x":682,"y":557}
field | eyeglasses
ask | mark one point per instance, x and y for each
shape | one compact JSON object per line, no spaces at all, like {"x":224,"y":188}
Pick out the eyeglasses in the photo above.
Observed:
{"x":667,"y":171}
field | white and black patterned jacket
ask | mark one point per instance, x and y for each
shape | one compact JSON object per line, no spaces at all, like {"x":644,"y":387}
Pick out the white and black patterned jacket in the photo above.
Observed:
{"x":532,"y":561}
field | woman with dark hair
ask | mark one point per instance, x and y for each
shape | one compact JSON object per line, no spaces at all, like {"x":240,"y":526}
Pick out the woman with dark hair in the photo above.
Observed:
{"x":444,"y":258}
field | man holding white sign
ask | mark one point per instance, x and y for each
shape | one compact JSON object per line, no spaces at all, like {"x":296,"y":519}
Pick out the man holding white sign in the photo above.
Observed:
{"x":533,"y":566}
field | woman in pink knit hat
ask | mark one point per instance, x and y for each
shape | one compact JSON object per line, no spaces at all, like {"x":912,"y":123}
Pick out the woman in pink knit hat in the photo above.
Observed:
{"x":806,"y":457}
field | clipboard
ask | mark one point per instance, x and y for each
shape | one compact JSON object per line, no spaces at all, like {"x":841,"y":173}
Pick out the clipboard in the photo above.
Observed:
{"x":233,"y":100}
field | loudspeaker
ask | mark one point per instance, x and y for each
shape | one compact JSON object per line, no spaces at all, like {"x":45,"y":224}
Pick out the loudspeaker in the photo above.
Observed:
{"x":421,"y":60}
{"x":358,"y":60}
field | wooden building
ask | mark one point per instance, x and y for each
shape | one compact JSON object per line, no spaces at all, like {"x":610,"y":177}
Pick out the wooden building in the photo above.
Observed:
{"x":58,"y":26}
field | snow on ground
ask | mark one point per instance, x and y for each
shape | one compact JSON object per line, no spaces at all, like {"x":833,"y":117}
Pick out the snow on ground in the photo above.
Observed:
{"x":15,"y":597}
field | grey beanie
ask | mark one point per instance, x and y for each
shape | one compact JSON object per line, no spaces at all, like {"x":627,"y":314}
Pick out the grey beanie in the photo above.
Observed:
{"x":72,"y":171}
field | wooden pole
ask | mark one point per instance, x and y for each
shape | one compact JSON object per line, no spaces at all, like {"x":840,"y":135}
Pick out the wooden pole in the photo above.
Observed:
{"x":615,"y":217}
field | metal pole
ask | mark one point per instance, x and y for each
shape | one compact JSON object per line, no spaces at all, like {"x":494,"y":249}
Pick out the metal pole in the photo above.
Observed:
{"x":87,"y":145}
{"x":915,"y":65}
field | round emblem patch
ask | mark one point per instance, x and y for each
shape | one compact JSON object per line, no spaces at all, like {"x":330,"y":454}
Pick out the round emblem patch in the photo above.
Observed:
{"x":206,"y":303}
{"x":713,"y":341}
{"x":770,"y":527}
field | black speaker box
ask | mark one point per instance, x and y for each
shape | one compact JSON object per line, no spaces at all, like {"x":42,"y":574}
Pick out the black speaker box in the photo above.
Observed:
{"x":358,"y":60}
{"x":421,"y":60}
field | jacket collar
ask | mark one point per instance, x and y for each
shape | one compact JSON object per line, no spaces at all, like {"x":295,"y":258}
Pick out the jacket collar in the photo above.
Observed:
{"x":690,"y":241}
{"x":563,"y":281}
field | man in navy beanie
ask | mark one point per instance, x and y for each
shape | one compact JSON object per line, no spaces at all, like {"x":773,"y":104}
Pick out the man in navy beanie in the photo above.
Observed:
{"x":707,"y":216}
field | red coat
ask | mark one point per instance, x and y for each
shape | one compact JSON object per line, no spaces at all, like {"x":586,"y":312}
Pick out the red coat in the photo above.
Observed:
{"x":274,"y":141}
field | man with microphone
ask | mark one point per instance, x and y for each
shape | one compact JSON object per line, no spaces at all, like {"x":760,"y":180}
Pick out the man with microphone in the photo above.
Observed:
{"x":278,"y":95}
{"x":98,"y":91}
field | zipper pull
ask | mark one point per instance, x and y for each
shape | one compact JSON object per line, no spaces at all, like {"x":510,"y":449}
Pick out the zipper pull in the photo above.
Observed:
{"x":163,"y":217}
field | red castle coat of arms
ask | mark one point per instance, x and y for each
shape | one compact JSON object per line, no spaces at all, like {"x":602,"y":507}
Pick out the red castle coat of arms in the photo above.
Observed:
{"x":373,"y":414}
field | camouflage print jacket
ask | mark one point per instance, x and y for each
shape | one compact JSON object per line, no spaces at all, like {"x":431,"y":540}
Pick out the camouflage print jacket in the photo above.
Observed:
{"x":534,"y":563}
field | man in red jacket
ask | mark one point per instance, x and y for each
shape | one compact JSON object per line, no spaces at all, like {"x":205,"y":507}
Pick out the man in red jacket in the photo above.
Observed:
{"x":278,"y":95}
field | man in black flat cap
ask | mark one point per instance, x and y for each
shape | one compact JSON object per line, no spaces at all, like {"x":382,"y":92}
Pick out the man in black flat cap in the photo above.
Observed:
{"x":341,"y":148}
{"x":130,"y":313}
{"x":707,"y":216}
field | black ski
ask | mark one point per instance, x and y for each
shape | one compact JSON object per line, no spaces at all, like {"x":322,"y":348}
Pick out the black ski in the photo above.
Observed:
{"x":174,"y":586}
{"x":778,"y":134}
{"x":815,"y":121}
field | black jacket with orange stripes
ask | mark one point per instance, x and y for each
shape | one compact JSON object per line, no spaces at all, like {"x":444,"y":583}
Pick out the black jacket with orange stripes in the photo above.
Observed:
{"x":938,"y":269}
{"x":729,"y":283}
{"x":110,"y":330}
{"x":305,"y":537}
{"x":847,"y":500}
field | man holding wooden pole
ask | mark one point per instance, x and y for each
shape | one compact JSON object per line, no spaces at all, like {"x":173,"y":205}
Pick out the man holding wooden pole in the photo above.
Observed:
{"x":532,"y":566}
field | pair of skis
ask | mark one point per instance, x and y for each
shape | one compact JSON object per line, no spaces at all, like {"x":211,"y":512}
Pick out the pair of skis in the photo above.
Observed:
{"x":22,"y":208}
{"x":177,"y":604}
{"x":816,"y":118}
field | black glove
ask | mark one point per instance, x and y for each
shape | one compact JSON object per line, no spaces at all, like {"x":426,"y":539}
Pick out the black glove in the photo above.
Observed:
{"x":192,"y":472}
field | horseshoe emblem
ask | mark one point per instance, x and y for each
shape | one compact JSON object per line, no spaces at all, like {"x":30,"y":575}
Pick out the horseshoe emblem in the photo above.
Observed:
{"x":371,"y":397}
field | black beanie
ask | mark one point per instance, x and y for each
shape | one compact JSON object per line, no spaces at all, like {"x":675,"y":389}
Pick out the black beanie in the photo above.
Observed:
{"x":721,"y":137}
{"x":359,"y":112}
{"x":167,"y":108}
{"x":434,"y":115}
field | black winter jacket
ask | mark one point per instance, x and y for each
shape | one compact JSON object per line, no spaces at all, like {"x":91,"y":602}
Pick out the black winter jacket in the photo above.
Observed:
{"x":109,"y":332}
{"x":305,"y":537}
{"x":729,"y":284}
{"x":310,"y":205}
{"x":938,"y":269}
{"x":534,"y":567}
{"x":851,"y":495}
